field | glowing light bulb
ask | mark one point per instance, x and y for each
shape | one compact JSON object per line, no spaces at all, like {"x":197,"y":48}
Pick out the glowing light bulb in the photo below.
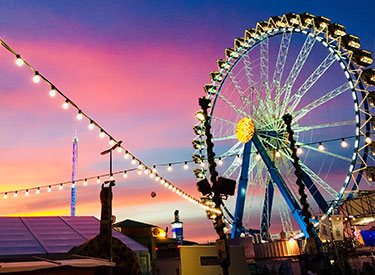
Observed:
{"x":125,"y":175}
{"x":277,"y":154}
{"x":321,"y":147}
{"x":52,"y":92}
{"x":140,"y":166}
{"x":203,"y":164}
{"x":257,"y":156}
{"x":170,"y":186}
{"x":65,"y":105}
{"x":169,"y":167}
{"x":162,"y":181}
{"x":5,"y":195}
{"x":37,"y":190}
{"x":152,"y":175}
{"x":85,"y":182}
{"x":134,"y":161}
{"x":98,"y":180}
{"x":73,"y":185}
{"x":15,"y":194}
{"x":79,"y":115}
{"x":220,"y":161}
{"x":111,"y":178}
{"x":111,"y":142}
{"x":139,"y":172}
{"x":154,"y":169}
{"x":238,"y":159}
{"x":119,"y":149}
{"x":157,"y":178}
{"x":19,"y":60}
{"x":186,"y":166}
{"x":126,"y":156}
{"x":368,"y":140}
{"x":147,"y":172}
{"x":344,"y":144}
{"x":36,"y":77}
{"x":102,"y":134}
{"x":299,"y":150}
{"x":49,"y":188}
{"x":61,"y":187}
{"x":91,"y":125}
{"x":27,"y":192}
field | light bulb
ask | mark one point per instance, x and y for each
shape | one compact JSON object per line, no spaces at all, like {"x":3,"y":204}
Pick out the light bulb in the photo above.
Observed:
{"x":126,"y":156}
{"x":147,"y":172}
{"x":15,"y":194}
{"x":238,"y":159}
{"x":368,"y":140}
{"x":111,"y":142}
{"x":134,"y":161}
{"x":140,"y":166}
{"x":125,"y":175}
{"x":111,"y":178}
{"x":258,"y":156}
{"x":299,"y":150}
{"x":52,"y":92}
{"x":85,"y":182}
{"x":152,"y":175}
{"x":49,"y":188}
{"x":220,"y":161}
{"x":186,"y":166}
{"x":79,"y":115}
{"x":36,"y":77}
{"x":19,"y":60}
{"x":139,"y":172}
{"x":65,"y":105}
{"x":157,"y":178}
{"x":162,"y":181}
{"x":102,"y":134}
{"x":98,"y":180}
{"x":73,"y":185}
{"x":321,"y":147}
{"x":5,"y":195}
{"x":37,"y":190}
{"x":61,"y":187}
{"x":169,"y":167}
{"x":154,"y":169}
{"x":203,"y":164}
{"x":27,"y":192}
{"x":277,"y":154}
{"x":91,"y":125}
{"x":344,"y":144}
{"x":119,"y":149}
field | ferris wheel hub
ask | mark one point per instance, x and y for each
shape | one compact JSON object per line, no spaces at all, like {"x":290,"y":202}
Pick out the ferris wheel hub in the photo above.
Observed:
{"x":245,"y":130}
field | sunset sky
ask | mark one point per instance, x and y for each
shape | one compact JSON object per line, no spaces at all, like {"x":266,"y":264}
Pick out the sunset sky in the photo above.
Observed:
{"x":137,"y":68}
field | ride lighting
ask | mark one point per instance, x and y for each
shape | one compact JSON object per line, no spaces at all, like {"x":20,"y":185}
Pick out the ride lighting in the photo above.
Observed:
{"x":321,"y":147}
{"x":264,"y":26}
{"x":350,"y":42}
{"x":226,"y":186}
{"x":197,"y":159}
{"x":200,"y":115}
{"x":231,"y":53}
{"x":277,"y":154}
{"x":307,"y":20}
{"x":215,"y":76}
{"x":197,"y":144}
{"x":322,"y":23}
{"x":368,"y":77}
{"x":199,"y":173}
{"x":292,"y":19}
{"x":362,"y":58}
{"x":204,"y":187}
{"x":371,"y":98}
{"x":257,"y":156}
{"x":278,"y":22}
{"x":368,"y":140}
{"x":210,"y":89}
{"x":223,"y":65}
{"x":239,"y":42}
{"x":199,"y":130}
{"x":335,"y":30}
{"x":251,"y":33}
{"x":344,"y":144}
{"x":370,"y":172}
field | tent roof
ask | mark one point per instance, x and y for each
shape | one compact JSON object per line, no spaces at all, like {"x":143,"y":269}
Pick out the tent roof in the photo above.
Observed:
{"x":46,"y":236}
{"x":132,"y":223}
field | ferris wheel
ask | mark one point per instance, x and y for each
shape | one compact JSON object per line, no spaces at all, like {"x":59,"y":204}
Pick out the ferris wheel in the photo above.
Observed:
{"x":312,"y":69}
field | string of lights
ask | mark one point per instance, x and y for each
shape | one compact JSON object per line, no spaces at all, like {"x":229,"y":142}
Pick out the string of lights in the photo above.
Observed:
{"x":102,"y":133}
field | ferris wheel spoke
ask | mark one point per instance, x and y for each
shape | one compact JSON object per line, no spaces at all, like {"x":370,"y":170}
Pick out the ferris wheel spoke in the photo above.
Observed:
{"x":248,"y":70}
{"x":238,"y":111}
{"x":224,"y":120}
{"x":319,"y":71}
{"x":297,"y":115}
{"x":233,"y":167}
{"x":264,"y":64}
{"x":298,"y":129}
{"x":225,"y":138}
{"x":318,"y":180}
{"x":280,"y":65}
{"x":328,"y":153}
{"x":296,"y":69}
{"x":239,"y":90}
{"x":233,"y":150}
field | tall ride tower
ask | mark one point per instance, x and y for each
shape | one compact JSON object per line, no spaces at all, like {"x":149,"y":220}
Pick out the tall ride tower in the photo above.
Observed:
{"x":74,"y":176}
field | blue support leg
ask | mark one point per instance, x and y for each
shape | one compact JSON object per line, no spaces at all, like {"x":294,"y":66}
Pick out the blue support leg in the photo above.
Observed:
{"x":315,"y":192}
{"x":267,"y":210}
{"x":241,"y":192}
{"x":279,"y":181}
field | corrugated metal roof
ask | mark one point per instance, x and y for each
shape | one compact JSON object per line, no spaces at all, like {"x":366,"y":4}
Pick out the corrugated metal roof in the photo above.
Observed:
{"x":24,"y":236}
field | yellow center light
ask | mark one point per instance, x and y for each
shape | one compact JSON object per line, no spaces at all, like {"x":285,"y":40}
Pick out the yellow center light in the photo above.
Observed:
{"x":245,"y":130}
